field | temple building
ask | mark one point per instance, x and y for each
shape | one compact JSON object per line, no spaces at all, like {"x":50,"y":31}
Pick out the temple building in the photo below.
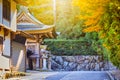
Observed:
{"x":19,"y":33}
{"x":12,"y":41}
{"x":29,"y":24}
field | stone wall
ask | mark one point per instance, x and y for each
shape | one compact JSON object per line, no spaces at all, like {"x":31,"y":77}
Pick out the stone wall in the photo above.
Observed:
{"x":79,"y":63}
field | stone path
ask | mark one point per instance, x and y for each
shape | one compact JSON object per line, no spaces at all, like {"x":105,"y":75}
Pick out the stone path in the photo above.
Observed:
{"x":80,"y":75}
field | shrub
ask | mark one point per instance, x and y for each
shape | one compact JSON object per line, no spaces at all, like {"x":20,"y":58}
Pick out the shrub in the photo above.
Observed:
{"x":71,"y":47}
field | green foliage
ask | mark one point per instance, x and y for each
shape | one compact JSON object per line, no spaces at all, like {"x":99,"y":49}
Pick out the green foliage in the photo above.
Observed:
{"x":111,"y":31}
{"x":88,"y":45}
{"x":72,"y":32}
{"x":69,"y":47}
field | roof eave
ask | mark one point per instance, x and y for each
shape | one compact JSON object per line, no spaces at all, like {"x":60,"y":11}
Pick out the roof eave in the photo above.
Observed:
{"x":24,"y":34}
{"x":1,"y":25}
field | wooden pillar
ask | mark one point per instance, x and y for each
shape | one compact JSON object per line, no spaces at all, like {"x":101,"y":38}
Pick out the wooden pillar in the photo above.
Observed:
{"x":37,"y":52}
{"x":49,"y":61}
{"x":41,"y":60}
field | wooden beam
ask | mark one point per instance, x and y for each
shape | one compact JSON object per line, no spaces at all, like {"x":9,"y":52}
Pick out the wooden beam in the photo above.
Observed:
{"x":13,"y":35}
{"x":0,"y":28}
{"x":50,"y":35}
{"x":46,"y":35}
{"x":39,"y":37}
{"x":6,"y":32}
{"x":39,"y":31}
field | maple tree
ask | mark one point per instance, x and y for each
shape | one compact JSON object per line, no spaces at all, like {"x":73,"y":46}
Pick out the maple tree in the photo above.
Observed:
{"x":29,"y":2}
{"x":110,"y":32}
{"x":103,"y":16}
{"x":41,"y":9}
{"x":91,"y":11}
{"x":44,"y":12}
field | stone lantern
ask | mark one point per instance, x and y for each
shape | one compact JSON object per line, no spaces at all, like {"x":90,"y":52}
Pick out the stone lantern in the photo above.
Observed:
{"x":49,"y":60}
{"x":44,"y":56}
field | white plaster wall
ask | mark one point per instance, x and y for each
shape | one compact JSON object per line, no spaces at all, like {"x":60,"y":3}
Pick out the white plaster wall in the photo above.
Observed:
{"x":4,"y":61}
{"x":7,"y":45}
{"x":18,"y":56}
{"x":6,"y":22}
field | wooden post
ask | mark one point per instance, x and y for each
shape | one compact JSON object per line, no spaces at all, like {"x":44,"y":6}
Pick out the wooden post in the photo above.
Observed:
{"x":49,"y":61}
{"x":38,"y":51}
{"x":40,"y":54}
{"x":39,"y":59}
{"x":41,"y":62}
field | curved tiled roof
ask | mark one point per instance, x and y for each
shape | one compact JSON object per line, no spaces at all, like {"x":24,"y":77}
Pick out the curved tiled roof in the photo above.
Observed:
{"x":28,"y":23}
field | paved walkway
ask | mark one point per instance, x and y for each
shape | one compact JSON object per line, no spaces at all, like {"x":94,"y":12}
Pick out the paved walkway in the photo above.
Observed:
{"x":73,"y":75}
{"x":80,"y":75}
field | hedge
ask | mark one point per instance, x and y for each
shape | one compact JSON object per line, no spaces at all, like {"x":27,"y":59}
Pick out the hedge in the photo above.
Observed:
{"x":70,"y":47}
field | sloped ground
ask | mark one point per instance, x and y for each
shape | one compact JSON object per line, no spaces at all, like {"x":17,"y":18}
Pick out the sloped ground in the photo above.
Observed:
{"x":116,"y":74}
{"x":80,"y":75}
{"x":70,"y":75}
